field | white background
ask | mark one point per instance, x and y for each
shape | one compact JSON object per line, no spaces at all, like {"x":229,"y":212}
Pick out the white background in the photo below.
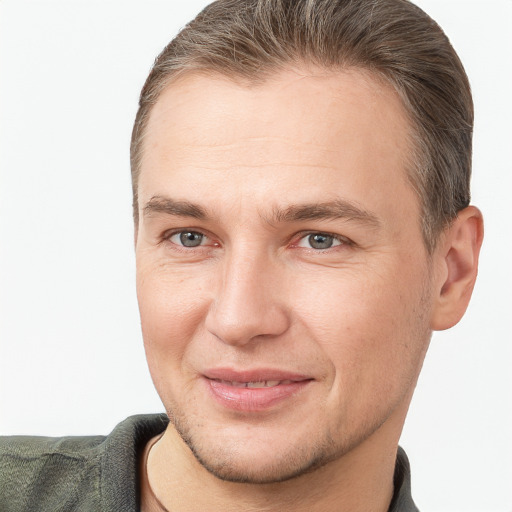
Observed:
{"x":71,"y":357}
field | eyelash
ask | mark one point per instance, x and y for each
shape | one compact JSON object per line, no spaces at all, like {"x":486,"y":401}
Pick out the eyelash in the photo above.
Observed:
{"x":298,"y":238}
{"x":343,"y":240}
{"x":166,"y":237}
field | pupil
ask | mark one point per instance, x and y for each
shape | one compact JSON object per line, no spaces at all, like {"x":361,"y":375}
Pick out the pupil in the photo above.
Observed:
{"x":320,"y":241}
{"x":191,"y":239}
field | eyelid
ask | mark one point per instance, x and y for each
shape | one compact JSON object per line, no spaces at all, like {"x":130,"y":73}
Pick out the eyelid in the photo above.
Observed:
{"x":343,"y":240}
{"x":167,"y":235}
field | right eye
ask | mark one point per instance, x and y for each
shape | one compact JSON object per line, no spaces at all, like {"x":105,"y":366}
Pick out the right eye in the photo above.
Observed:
{"x":188,"y":238}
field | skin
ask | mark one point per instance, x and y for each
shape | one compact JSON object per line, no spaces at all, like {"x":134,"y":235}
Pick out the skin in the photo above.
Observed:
{"x":355,"y":318}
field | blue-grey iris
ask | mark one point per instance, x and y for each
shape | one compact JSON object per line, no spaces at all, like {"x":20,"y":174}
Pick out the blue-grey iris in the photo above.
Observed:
{"x":191,"y":238}
{"x":320,"y":241}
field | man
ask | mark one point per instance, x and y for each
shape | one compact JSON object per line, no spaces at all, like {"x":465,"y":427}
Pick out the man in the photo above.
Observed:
{"x":302,"y":224}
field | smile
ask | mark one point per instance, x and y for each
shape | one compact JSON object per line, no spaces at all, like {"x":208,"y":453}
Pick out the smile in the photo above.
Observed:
{"x":254,"y":391}
{"x":257,"y":384}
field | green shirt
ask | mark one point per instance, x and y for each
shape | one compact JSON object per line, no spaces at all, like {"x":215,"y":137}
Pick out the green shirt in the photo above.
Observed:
{"x":100,"y":473}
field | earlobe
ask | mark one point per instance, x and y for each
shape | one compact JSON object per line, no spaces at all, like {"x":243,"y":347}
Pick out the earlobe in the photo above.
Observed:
{"x":458,"y":254}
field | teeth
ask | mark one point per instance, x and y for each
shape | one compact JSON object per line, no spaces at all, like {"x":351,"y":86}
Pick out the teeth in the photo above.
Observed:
{"x":235,"y":384}
{"x":263,"y":384}
{"x":258,"y":384}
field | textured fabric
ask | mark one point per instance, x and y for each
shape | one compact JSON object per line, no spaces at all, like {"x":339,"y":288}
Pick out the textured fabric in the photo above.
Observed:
{"x":100,"y":473}
{"x":79,"y":474}
{"x":402,"y":499}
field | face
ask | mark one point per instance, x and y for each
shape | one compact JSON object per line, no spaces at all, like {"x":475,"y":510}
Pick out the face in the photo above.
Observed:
{"x":282,"y":278}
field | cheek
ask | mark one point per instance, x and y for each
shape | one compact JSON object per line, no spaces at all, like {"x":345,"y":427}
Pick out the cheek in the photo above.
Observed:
{"x":343,"y":305}
{"x":172,"y":308}
{"x":372,"y":326}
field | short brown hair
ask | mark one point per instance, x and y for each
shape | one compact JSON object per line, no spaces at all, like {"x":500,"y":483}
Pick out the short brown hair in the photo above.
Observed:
{"x":394,"y":39}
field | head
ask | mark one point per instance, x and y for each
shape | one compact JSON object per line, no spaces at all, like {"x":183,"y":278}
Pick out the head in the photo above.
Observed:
{"x":301,"y":187}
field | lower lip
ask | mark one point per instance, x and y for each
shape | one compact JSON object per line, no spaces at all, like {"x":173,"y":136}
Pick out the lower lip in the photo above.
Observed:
{"x":253,"y":399}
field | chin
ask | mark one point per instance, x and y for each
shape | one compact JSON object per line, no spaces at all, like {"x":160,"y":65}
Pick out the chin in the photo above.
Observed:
{"x":256,"y":459}
{"x":248,"y":470}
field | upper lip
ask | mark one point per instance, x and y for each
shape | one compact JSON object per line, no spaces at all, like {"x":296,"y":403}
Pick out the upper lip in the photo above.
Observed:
{"x":253,"y":375}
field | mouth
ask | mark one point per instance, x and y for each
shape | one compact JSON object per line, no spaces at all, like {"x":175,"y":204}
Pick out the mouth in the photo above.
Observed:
{"x":256,"y":384}
{"x":254,"y":391}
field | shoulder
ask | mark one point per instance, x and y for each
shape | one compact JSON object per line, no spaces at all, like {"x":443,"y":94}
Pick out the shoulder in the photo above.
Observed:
{"x":53,"y":471}
{"x":75,"y":473}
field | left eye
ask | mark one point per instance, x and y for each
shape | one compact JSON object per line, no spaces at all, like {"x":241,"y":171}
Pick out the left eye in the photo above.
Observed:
{"x":319,"y":241}
{"x":188,"y":238}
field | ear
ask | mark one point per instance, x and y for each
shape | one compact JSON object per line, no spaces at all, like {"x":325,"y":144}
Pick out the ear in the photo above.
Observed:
{"x":457,"y":267}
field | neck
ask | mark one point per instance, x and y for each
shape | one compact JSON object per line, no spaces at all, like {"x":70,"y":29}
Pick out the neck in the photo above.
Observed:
{"x":359,"y":481}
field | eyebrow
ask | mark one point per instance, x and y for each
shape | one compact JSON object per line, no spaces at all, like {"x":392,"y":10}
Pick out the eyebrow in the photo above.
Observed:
{"x":168,"y":206}
{"x":331,"y":210}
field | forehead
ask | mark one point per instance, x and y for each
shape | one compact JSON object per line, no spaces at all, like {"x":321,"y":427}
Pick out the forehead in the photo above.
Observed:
{"x":299,"y":134}
{"x":214,"y":108}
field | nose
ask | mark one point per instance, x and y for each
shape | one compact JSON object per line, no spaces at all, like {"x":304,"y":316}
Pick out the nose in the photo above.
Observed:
{"x":247,"y":303}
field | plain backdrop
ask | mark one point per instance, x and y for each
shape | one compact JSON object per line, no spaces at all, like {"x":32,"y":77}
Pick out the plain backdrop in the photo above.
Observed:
{"x":71,"y":356}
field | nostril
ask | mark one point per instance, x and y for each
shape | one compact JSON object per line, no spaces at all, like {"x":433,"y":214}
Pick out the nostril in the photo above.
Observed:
{"x":246,"y":326}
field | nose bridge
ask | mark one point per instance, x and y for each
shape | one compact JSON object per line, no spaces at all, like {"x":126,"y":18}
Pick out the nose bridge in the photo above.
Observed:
{"x":247,"y":302}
